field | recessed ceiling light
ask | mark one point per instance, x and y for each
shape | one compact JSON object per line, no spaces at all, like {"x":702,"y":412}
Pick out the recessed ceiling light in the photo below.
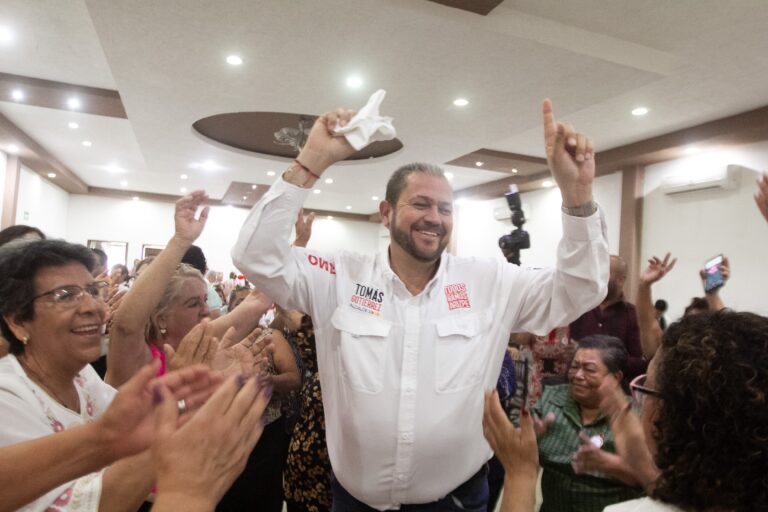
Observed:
{"x":514,"y":171}
{"x":74,"y":103}
{"x":348,"y":207}
{"x":234,"y":60}
{"x":461,"y":102}
{"x":13,"y":149}
{"x":183,"y":176}
{"x":547,"y":183}
{"x":479,"y":163}
{"x":209,"y":165}
{"x":639,"y":111}
{"x":316,"y":191}
{"x":6,"y":35}
{"x":183,"y":190}
{"x":270,"y":173}
{"x":87,"y":143}
{"x":329,"y":180}
{"x":73,"y":125}
{"x":114,"y":168}
{"x":375,"y":198}
{"x":253,"y":187}
{"x":448,"y":176}
{"x":245,"y":198}
{"x":123,"y":183}
{"x":354,"y":81}
{"x":691,"y":150}
{"x":330,"y":217}
{"x":135,"y":198}
{"x":51,"y":174}
{"x":17,"y":94}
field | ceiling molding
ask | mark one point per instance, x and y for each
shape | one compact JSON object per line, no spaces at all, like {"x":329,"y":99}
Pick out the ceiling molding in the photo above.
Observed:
{"x":482,"y":7}
{"x":38,"y":159}
{"x":500,"y":161}
{"x":744,"y":128}
{"x":50,"y":94}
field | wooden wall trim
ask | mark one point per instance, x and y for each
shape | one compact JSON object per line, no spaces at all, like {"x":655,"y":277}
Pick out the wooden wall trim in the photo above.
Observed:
{"x":631,"y":226}
{"x":11,"y":191}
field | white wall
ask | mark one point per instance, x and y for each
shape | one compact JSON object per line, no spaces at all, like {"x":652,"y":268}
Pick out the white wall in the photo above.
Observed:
{"x":698,"y":225}
{"x":3,"y":163}
{"x":42,"y":204}
{"x":150,"y":222}
{"x":477,"y":232}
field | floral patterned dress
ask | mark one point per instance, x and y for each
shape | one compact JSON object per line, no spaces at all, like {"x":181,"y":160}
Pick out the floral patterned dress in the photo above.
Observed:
{"x":307,"y":475}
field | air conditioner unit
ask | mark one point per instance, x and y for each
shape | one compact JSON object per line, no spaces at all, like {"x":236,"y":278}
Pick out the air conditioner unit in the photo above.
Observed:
{"x":673,"y":185}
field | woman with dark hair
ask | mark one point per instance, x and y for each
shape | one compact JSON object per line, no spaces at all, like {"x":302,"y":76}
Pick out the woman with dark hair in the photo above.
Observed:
{"x":576,"y":449}
{"x":20,"y":232}
{"x":702,"y":444}
{"x":52,"y":315}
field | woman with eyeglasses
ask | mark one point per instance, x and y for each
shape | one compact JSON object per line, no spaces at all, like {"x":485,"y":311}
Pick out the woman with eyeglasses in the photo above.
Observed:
{"x":52,"y":315}
{"x":581,"y":471}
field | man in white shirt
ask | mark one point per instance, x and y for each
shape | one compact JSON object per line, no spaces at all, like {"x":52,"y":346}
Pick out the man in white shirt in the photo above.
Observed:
{"x":408,"y":339}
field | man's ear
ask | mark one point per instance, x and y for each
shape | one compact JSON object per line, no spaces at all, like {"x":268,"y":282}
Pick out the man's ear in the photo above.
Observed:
{"x":384,"y":211}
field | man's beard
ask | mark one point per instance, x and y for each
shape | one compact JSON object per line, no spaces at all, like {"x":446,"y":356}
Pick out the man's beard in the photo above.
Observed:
{"x":405,"y":240}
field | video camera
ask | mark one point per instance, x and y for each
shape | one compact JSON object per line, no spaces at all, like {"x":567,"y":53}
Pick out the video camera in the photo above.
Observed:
{"x":518,"y":239}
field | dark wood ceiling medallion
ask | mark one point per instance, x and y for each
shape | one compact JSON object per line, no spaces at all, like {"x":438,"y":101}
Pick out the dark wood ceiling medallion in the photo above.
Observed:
{"x":274,"y":133}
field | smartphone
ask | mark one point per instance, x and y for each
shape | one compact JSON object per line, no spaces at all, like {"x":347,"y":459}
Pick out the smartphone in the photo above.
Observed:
{"x":713,"y":277}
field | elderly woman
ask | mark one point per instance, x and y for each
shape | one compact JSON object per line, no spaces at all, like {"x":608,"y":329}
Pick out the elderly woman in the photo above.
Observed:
{"x":168,"y":300}
{"x":576,"y":446}
{"x":52,"y":316}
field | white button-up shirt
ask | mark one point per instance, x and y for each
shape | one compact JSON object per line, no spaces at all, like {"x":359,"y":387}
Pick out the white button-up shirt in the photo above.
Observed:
{"x":403,"y":375}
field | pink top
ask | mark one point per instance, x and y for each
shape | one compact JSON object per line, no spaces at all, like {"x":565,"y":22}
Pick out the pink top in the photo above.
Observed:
{"x":158,"y":354}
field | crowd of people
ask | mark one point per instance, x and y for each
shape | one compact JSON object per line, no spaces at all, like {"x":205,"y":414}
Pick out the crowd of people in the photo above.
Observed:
{"x":345,"y":382}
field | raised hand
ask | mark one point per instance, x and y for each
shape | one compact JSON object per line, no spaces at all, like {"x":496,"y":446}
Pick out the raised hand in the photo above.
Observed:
{"x":761,"y":197}
{"x":657,"y":269}
{"x":248,"y":357}
{"x":188,"y":224}
{"x":725,"y":271}
{"x":515,"y":447}
{"x":570,"y":156}
{"x":199,"y":346}
{"x":303,"y":228}
{"x":323,"y":148}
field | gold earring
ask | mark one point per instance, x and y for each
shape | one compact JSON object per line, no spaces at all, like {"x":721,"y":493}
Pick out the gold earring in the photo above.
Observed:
{"x":163,"y":330}
{"x":25,"y":339}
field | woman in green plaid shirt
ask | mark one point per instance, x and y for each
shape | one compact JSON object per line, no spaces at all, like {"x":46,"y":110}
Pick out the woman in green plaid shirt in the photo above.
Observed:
{"x":582,"y":472}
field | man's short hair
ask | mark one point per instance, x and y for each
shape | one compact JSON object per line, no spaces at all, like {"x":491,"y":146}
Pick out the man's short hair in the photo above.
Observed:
{"x":101,"y":257}
{"x":195,"y":257}
{"x":661,"y":305}
{"x":396,"y":182}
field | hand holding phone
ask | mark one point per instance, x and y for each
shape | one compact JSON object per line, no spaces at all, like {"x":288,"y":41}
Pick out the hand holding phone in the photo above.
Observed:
{"x":713,"y":275}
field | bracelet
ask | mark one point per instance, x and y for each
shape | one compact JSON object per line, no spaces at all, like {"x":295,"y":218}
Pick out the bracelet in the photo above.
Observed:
{"x":305,"y":168}
{"x":584,"y":210}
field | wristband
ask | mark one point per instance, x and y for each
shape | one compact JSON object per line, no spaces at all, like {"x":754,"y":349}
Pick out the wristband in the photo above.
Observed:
{"x":305,"y":168}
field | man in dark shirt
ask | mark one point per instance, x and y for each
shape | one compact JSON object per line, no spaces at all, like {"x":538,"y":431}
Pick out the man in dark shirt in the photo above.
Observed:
{"x":615,"y":317}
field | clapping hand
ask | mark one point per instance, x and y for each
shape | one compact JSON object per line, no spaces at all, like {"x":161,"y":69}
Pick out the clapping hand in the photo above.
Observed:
{"x":303,"y":228}
{"x":761,"y":197}
{"x":570,"y":156}
{"x":515,"y":447}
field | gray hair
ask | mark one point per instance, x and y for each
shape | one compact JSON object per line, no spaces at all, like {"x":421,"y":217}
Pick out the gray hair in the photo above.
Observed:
{"x":612,"y":349}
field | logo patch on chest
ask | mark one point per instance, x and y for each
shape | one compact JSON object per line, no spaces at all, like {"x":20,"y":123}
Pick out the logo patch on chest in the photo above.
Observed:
{"x":367,"y":299}
{"x":457,"y":296}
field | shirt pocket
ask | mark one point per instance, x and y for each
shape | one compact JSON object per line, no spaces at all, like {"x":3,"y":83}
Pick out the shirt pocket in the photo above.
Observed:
{"x":459,"y":362}
{"x":363,"y":348}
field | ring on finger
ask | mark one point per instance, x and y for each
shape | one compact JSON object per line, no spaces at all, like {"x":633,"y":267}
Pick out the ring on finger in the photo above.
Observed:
{"x":181,"y":405}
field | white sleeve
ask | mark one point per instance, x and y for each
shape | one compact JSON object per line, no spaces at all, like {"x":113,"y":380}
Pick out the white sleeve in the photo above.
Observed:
{"x":579,"y":282}
{"x":290,"y":276}
{"x":23,"y":420}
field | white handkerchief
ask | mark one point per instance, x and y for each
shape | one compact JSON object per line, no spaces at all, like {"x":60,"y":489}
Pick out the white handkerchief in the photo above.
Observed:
{"x":368,"y":126}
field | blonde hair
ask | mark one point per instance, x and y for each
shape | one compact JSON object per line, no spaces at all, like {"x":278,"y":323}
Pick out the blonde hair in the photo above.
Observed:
{"x":183,"y":272}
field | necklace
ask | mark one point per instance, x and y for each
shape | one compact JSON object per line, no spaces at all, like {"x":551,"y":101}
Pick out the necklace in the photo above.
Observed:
{"x":34,"y":376}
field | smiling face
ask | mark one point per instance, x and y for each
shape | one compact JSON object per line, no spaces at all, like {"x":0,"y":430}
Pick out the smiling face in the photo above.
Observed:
{"x":188,"y":308}
{"x":421,"y":221}
{"x":64,"y":335}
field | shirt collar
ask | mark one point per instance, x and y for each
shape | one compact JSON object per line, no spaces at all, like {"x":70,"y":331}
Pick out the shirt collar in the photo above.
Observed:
{"x":429,"y":290}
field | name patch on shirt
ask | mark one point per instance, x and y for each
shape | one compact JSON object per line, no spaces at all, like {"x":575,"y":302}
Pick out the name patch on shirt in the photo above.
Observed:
{"x":367,"y":299}
{"x":321,"y":264}
{"x":457,"y":297}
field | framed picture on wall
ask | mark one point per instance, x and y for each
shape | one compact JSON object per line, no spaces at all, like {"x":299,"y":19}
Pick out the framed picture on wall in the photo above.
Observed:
{"x":148,"y":250}
{"x":117,"y":252}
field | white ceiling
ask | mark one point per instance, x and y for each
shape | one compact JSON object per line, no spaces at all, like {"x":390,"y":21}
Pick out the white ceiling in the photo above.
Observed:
{"x":689,"y":61}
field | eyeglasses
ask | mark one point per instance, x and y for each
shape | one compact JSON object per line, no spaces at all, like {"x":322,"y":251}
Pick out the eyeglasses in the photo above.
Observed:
{"x":639,"y":391}
{"x":73,"y":294}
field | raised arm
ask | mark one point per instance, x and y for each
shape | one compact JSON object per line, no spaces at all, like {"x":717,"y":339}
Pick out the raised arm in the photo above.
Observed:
{"x":263,"y":252}
{"x":713,"y":297}
{"x":761,"y":197}
{"x":128,"y":350}
{"x":650,"y":330}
